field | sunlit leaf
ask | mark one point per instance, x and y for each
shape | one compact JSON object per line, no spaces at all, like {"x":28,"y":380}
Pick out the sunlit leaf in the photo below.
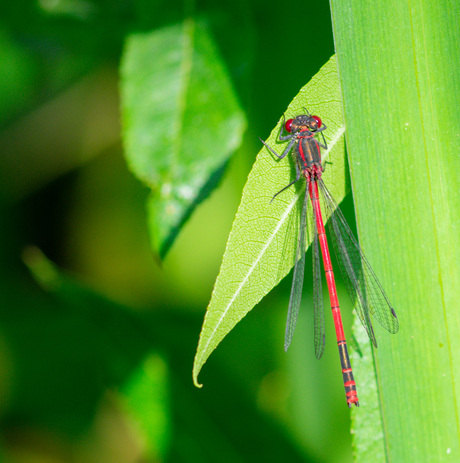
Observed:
{"x":146,"y":399}
{"x":260,"y":249}
{"x":399,"y":77}
{"x":181,"y":121}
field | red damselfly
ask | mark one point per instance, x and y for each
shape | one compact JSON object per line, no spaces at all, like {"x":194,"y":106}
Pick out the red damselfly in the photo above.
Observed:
{"x":361,"y":282}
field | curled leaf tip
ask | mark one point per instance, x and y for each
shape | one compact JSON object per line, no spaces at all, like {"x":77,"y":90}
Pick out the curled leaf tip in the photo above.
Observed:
{"x":195,"y":381}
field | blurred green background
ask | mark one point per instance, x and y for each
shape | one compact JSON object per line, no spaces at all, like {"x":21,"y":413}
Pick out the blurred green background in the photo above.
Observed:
{"x":97,"y":343}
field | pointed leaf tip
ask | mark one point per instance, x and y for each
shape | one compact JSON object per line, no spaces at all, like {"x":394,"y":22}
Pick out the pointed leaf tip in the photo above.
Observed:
{"x":261,"y":246}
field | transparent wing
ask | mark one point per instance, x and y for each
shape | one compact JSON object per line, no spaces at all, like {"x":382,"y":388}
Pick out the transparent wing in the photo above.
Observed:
{"x":297,"y":281}
{"x":361,"y":282}
{"x":318,"y":306}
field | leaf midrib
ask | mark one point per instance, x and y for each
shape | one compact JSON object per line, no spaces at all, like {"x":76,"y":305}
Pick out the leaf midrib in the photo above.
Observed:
{"x":337,"y":136}
{"x":186,"y":71}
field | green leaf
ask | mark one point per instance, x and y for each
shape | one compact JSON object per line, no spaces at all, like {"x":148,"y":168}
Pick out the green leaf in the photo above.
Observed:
{"x":261,"y":246}
{"x":181,"y":121}
{"x":146,"y":399}
{"x":399,"y":68}
{"x":88,"y":329}
{"x":18,"y":75}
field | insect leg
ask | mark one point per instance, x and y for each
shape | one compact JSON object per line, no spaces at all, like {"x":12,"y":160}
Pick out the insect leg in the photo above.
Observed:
{"x":285,"y":152}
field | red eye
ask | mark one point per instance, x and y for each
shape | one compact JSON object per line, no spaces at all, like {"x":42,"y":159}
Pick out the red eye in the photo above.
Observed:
{"x":288,"y":124}
{"x":317,"y":119}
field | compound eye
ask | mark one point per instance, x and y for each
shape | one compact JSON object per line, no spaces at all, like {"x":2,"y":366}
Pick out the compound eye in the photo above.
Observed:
{"x":288,"y":125}
{"x":318,"y":120}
